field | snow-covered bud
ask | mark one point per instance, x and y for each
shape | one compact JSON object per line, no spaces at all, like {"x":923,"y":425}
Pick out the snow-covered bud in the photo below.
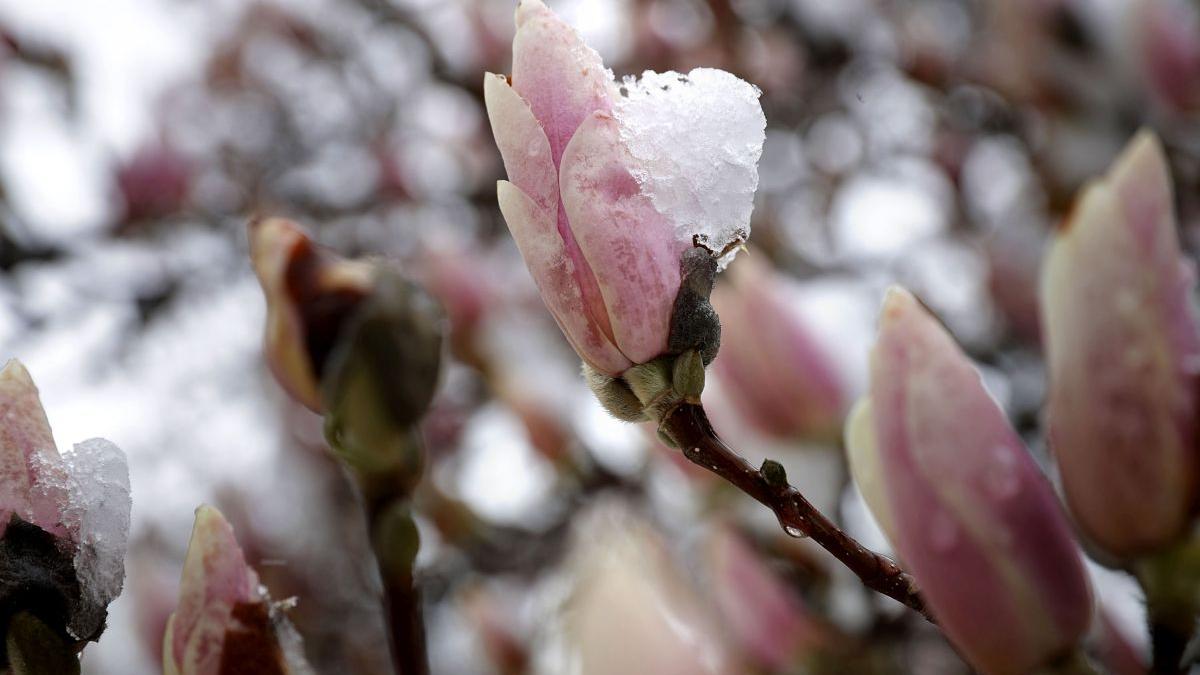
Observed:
{"x":310,"y":294}
{"x":965,"y":506}
{"x":771,"y":367}
{"x":1123,"y":354}
{"x":64,"y":519}
{"x":631,"y":609}
{"x":610,"y":183}
{"x":225,"y":623}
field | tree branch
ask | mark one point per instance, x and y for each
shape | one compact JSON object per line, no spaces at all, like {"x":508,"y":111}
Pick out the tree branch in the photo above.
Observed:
{"x":689,"y":427}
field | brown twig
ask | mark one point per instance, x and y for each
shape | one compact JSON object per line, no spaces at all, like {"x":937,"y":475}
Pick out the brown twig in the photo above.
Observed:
{"x":689,"y":427}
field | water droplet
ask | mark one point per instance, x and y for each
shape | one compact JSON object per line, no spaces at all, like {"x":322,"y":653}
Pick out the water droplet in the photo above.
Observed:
{"x":794,"y":532}
{"x":943,"y":533}
{"x":1002,"y":477}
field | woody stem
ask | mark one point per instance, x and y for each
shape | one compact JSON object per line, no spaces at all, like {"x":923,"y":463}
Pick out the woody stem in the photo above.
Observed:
{"x":689,"y":427}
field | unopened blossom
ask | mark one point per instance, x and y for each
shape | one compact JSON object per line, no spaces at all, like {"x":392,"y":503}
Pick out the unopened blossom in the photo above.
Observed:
{"x":772,"y":368}
{"x":310,"y":292}
{"x":225,"y":623}
{"x":1167,"y":35}
{"x":767,"y":620}
{"x":963,"y":503}
{"x":600,"y":206}
{"x":64,"y":519}
{"x":631,"y":609}
{"x":1123,"y":354}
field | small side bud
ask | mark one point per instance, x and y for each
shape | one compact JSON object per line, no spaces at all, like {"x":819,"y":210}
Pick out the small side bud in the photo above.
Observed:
{"x":774,"y":473}
{"x":688,"y":375}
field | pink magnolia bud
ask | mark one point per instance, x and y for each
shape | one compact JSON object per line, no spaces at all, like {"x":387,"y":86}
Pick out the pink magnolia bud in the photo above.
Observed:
{"x":604,"y":254}
{"x":631,"y":609}
{"x":971,"y":516}
{"x":225,"y":622}
{"x":153,"y":183}
{"x":1168,"y":35}
{"x":775,"y":373}
{"x":1123,"y":354}
{"x":765,"y":616}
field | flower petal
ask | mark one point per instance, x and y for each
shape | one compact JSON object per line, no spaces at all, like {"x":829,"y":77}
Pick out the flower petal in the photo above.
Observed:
{"x":521,"y":141}
{"x":561,"y":77}
{"x":552,"y":271}
{"x":215,"y":578}
{"x":28,"y":455}
{"x":630,"y":246}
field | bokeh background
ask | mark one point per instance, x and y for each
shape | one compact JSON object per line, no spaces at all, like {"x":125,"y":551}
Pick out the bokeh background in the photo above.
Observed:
{"x":933,"y":143}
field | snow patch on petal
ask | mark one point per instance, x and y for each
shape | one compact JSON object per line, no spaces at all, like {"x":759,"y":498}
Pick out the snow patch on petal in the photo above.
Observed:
{"x":698,"y":138}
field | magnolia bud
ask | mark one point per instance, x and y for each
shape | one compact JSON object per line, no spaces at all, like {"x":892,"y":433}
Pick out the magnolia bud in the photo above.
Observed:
{"x":310,"y":295}
{"x":64,"y":519}
{"x":774,"y":372}
{"x":1123,"y":354}
{"x":963,"y":503}
{"x":225,"y":623}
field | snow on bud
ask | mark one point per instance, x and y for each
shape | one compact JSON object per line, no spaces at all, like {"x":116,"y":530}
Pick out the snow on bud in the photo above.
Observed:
{"x":771,"y":367}
{"x":64,"y":519}
{"x":1123,"y":355}
{"x":310,"y":293}
{"x":965,"y":506}
{"x":225,"y":623}
{"x":609,"y":184}
{"x":630,"y":608}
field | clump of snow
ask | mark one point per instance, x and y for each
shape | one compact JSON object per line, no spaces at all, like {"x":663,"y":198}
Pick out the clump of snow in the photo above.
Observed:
{"x":97,"y":513}
{"x":90,"y":486}
{"x":697,"y":138}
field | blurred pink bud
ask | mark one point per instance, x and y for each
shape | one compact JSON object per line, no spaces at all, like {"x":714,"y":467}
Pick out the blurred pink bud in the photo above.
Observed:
{"x":153,"y":183}
{"x":631,"y":610}
{"x":765,"y":616}
{"x":776,"y":374}
{"x":310,"y":292}
{"x":1123,"y":354}
{"x":604,"y":256}
{"x":1169,"y":41}
{"x":31,"y":471}
{"x":971,"y":516}
{"x":225,"y":622}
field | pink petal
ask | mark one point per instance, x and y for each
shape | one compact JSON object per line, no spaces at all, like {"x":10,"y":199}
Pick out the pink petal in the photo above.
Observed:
{"x":562,"y":78}
{"x":553,"y":272}
{"x":522,"y":142}
{"x":215,"y":578}
{"x":28,"y":456}
{"x":629,"y":245}
{"x":1123,"y":352}
{"x":766,"y":617}
{"x":969,"y":512}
